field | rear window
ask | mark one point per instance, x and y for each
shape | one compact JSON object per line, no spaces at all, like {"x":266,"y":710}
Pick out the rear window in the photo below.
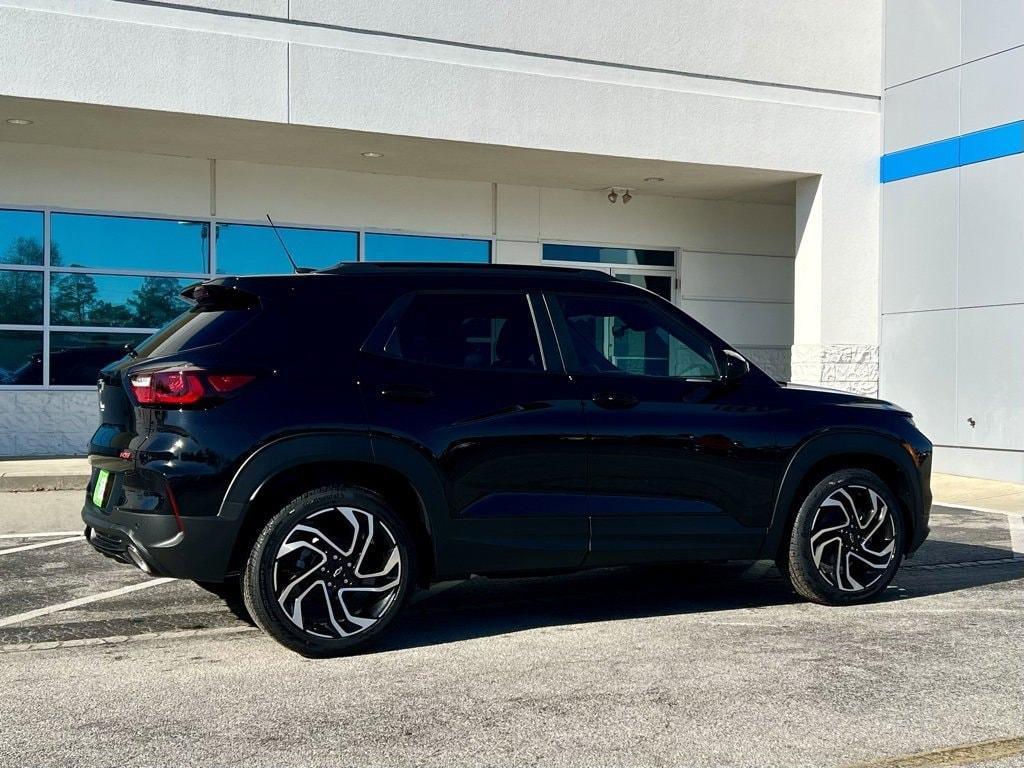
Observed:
{"x":197,"y":327}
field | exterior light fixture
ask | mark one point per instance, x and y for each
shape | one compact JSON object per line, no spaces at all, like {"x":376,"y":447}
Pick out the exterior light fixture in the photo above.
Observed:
{"x":373,"y":154}
{"x":625,"y":194}
{"x":18,"y":121}
{"x":654,"y":179}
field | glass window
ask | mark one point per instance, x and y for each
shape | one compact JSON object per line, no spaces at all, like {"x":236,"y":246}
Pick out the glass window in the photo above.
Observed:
{"x":115,"y":300}
{"x":598,"y":255}
{"x":21,"y":357}
{"x":21,"y":237}
{"x":121,"y":242}
{"x":479,"y":331}
{"x":378,"y":247}
{"x":21,"y":297}
{"x":194,"y":328}
{"x":611,"y":335}
{"x":76,"y":358}
{"x":659,"y":284}
{"x":245,"y":249}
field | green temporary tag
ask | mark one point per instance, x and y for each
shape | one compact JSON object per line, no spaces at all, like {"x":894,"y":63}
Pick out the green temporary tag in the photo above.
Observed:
{"x":100,"y":489}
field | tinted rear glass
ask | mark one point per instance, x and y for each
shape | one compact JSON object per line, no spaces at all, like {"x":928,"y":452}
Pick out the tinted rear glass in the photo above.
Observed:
{"x":195,"y":328}
{"x":478,"y":331}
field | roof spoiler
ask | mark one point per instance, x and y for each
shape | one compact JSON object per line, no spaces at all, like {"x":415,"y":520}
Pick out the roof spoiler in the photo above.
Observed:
{"x":219,"y":296}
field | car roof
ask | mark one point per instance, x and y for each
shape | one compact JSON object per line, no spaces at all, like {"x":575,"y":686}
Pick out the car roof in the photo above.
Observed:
{"x":409,"y":269}
{"x":396,"y":278}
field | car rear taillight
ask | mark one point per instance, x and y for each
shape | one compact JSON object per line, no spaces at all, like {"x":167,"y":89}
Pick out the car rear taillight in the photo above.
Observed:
{"x":183,"y":386}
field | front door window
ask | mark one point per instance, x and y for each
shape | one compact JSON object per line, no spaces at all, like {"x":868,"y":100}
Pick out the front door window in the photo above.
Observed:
{"x":629,"y":336}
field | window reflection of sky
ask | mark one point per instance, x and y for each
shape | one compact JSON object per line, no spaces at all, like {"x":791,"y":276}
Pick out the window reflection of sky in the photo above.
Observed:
{"x":120,"y":242}
{"x":244,"y":249}
{"x":382,"y":247}
{"x":21,"y":225}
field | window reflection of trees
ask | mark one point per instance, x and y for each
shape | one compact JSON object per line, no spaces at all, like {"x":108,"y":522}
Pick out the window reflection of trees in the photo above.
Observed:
{"x":76,"y":300}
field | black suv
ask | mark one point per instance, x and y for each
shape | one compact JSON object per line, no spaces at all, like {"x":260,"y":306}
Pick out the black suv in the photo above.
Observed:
{"x":332,"y":441}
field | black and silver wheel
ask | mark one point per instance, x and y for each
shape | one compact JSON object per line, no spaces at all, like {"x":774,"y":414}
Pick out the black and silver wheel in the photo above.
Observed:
{"x":329,"y":572}
{"x":847,"y":539}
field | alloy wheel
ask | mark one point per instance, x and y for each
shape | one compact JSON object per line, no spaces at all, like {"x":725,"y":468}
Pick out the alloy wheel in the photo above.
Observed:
{"x":337,"y":572}
{"x":853,"y":538}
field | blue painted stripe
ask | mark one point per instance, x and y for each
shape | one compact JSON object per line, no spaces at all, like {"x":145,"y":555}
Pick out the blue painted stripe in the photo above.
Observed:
{"x":989,"y":144}
{"x":920,"y":160}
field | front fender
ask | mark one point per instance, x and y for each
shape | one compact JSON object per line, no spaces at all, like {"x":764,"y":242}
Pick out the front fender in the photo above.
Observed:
{"x":821,"y":447}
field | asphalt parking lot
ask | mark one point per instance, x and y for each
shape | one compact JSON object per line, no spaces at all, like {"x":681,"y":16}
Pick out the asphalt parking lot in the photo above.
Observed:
{"x":698,"y":665}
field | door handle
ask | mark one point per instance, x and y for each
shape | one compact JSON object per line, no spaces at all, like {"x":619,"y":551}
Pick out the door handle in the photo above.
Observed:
{"x":615,"y":400}
{"x":407,"y":393}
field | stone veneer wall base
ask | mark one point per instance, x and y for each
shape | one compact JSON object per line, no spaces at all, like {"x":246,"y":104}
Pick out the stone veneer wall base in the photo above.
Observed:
{"x":850,"y":367}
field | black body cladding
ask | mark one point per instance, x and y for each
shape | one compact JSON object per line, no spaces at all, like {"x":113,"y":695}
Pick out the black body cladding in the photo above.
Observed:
{"x":513,"y":450}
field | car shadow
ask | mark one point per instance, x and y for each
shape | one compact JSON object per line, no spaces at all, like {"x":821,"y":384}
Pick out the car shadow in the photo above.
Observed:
{"x":480,"y":607}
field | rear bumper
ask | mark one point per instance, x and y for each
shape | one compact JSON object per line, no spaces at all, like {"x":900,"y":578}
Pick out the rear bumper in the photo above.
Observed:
{"x":199,"y":550}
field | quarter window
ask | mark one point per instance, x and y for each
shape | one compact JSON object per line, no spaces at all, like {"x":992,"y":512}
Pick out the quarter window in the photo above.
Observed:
{"x":627,"y":336}
{"x":478,"y":331}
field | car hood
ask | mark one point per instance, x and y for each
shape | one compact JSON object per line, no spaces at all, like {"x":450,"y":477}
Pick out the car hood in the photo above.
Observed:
{"x":808,"y":393}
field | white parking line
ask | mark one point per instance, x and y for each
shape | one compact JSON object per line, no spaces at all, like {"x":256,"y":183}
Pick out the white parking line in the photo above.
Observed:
{"x":174,"y":634}
{"x":40,"y":544}
{"x":1017,"y":535}
{"x":20,"y":617}
{"x":972,"y":508}
{"x":45,"y":535}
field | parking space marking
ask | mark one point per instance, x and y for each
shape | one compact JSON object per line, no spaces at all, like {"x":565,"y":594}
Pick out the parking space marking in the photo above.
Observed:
{"x":40,"y":544}
{"x":973,"y":508}
{"x":20,"y":617}
{"x":1017,"y":535}
{"x":174,"y":634}
{"x":44,"y":535}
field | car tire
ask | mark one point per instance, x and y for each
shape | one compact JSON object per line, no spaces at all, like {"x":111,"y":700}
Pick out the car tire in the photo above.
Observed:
{"x":847,"y":540}
{"x":329,"y":572}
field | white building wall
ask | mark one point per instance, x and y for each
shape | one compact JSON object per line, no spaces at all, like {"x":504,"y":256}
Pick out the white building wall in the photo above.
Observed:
{"x":952,"y":293}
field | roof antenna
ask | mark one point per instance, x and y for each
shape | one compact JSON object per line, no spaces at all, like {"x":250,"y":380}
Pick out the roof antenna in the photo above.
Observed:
{"x":295,"y":268}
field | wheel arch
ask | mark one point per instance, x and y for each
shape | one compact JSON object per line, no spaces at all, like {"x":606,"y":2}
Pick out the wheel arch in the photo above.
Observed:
{"x":286,"y":468}
{"x":822,"y":455}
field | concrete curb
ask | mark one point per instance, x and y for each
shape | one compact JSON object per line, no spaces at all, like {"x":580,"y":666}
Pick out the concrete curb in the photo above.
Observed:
{"x":58,"y":474}
{"x":21,"y":483}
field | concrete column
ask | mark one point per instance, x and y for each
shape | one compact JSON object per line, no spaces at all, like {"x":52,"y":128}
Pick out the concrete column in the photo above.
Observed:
{"x":826,"y":352}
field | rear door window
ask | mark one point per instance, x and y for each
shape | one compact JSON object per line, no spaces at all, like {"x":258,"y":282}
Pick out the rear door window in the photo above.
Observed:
{"x":471,"y":331}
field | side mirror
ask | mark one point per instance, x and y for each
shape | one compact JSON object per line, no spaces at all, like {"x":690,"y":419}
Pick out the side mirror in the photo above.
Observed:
{"x":736,"y":366}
